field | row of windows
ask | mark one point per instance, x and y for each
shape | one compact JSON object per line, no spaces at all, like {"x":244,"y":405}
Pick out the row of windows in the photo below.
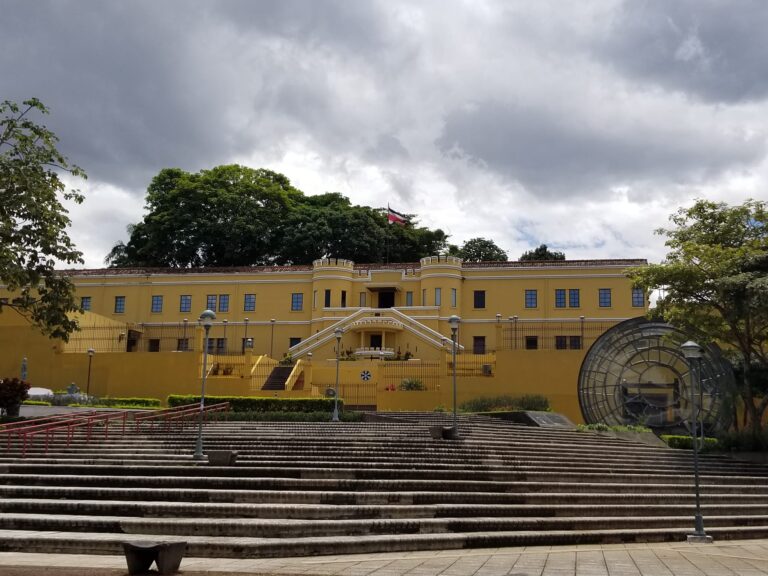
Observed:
{"x":215,"y":345}
{"x":220,"y":302}
{"x":532,"y":343}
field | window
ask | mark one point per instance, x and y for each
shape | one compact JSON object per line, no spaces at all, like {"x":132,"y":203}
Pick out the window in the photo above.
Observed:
{"x":211,"y":345}
{"x":561,"y":342}
{"x":221,"y":345}
{"x":85,"y":302}
{"x":409,"y":298}
{"x":249,"y":303}
{"x":154,"y":344}
{"x":453,"y":297}
{"x":327,"y":299}
{"x":119,"y":304}
{"x":531,"y":342}
{"x":423,"y":296}
{"x":604,"y":297}
{"x":297,"y":302}
{"x":314,"y":299}
{"x":479,"y":300}
{"x":343,"y":298}
{"x":210,"y":302}
{"x":574,"y":299}
{"x":638,"y":298}
{"x":362,"y":299}
{"x":223,"y":302}
{"x":478,"y":345}
{"x":157,"y":304}
{"x":438,"y":296}
{"x":560,"y":298}
{"x":531,"y":299}
{"x":574,"y":342}
{"x":293,"y":341}
{"x":182,"y":344}
{"x":185,"y":303}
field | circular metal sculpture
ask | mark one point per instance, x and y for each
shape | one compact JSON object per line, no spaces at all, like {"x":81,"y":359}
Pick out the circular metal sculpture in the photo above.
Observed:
{"x":635,"y":373}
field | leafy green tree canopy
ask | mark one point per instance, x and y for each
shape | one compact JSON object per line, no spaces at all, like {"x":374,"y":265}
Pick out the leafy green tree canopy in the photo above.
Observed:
{"x":714,"y":286}
{"x":479,"y":250}
{"x":541,"y":253}
{"x":33,"y":222}
{"x":238,"y":216}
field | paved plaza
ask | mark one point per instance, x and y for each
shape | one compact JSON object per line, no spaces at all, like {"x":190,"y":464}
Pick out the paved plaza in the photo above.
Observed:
{"x":726,"y":558}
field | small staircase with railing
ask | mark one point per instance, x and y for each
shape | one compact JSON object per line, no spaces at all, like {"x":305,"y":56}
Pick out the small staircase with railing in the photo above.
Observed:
{"x":277,"y":378}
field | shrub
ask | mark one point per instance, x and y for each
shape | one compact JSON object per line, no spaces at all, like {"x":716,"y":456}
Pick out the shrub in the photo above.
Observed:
{"x":259,"y":404}
{"x":410,"y":384}
{"x":12,"y":393}
{"x":349,"y":416}
{"x":140,"y":402}
{"x":506,"y":403}
{"x":686,"y":443}
{"x":36,"y":403}
{"x":601,"y":427}
{"x":744,"y":441}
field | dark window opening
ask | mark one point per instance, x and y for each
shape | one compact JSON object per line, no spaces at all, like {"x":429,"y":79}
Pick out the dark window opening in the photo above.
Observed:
{"x":478,"y":344}
{"x":479,"y":299}
{"x":387,"y":299}
{"x":327,"y":299}
{"x":154,"y":345}
{"x":531,"y":342}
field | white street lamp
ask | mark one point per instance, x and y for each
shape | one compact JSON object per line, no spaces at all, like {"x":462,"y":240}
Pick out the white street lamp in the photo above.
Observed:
{"x":206,"y":319}
{"x":454,"y":323}
{"x":338,"y":333}
{"x":693,"y":353}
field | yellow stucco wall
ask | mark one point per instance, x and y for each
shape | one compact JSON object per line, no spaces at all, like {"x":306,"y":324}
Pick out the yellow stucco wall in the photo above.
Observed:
{"x":136,"y":347}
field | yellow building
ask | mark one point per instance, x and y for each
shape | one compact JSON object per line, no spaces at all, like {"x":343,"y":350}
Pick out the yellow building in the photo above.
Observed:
{"x":524,"y":328}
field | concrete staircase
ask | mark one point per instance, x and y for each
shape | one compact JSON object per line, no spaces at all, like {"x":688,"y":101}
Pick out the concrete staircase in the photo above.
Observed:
{"x":277,"y":378}
{"x":339,"y":488}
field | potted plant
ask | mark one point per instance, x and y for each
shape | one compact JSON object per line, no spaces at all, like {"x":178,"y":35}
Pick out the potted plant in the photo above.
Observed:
{"x":12,"y":393}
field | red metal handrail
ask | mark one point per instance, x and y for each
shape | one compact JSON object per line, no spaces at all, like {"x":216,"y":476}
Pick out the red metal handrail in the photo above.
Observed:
{"x":51,"y":425}
{"x":181,"y":413}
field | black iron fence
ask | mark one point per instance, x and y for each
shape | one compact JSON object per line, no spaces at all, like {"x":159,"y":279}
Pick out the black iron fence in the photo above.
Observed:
{"x":564,"y":335}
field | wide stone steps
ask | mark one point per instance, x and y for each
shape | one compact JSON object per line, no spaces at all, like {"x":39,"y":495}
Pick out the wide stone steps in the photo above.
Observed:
{"x":319,"y":488}
{"x":246,"y":547}
{"x":372,"y":497}
{"x":286,"y":528}
{"x":150,"y":509}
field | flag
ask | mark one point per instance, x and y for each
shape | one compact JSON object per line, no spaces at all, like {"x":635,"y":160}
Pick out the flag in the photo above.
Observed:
{"x":395,"y":217}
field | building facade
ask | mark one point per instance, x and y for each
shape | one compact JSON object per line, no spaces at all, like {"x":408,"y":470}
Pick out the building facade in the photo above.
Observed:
{"x":524,"y":328}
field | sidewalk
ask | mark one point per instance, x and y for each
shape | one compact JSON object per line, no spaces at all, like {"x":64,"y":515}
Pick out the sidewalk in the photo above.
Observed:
{"x":726,"y":558}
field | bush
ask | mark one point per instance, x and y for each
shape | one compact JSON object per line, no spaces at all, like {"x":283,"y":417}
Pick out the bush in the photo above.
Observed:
{"x":601,"y":427}
{"x":134,"y":402}
{"x":506,"y":403}
{"x":284,"y":416}
{"x":686,"y":443}
{"x":12,"y":393}
{"x":410,"y":384}
{"x":36,"y":403}
{"x":259,"y":404}
{"x":744,"y":441}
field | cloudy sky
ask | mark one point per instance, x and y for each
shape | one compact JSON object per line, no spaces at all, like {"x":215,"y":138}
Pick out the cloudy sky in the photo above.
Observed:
{"x":582,"y":125}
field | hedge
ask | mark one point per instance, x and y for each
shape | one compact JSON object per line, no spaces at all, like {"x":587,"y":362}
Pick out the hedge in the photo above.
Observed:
{"x":685,"y":442}
{"x":259,"y":404}
{"x":349,"y":416}
{"x":110,"y":401}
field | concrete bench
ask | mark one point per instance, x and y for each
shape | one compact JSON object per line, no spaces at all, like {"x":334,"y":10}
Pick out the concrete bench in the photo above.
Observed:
{"x":443,"y":432}
{"x":222,"y":457}
{"x":167,"y":555}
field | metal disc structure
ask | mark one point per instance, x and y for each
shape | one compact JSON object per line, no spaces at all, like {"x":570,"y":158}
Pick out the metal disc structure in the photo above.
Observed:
{"x":635,"y":373}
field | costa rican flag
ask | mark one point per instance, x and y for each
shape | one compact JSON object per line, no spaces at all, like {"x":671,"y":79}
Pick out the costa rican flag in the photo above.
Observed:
{"x":395,"y":217}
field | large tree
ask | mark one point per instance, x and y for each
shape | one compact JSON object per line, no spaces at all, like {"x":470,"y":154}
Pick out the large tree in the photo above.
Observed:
{"x":33,"y":221}
{"x":238,"y":216}
{"x":541,"y":253}
{"x":479,"y":250}
{"x":714,"y":286}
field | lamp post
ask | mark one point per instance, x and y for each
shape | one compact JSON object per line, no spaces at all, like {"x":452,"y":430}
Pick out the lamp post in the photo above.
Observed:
{"x":454,"y":322}
{"x":338,"y":333}
{"x":692,"y":353}
{"x":91,"y":352}
{"x":272,"y":337}
{"x":206,"y":319}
